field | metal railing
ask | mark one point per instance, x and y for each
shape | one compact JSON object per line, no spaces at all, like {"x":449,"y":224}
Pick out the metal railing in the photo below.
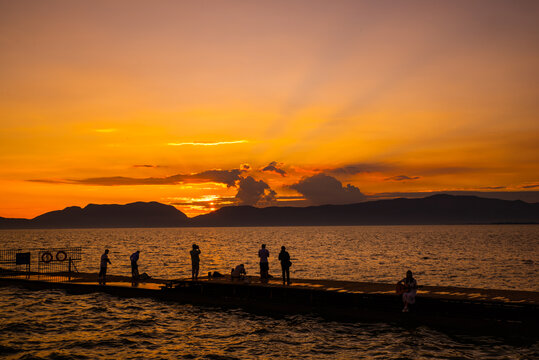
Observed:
{"x":49,"y":264}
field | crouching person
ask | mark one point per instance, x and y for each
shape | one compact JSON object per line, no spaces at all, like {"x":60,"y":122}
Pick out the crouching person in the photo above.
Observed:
{"x":238,"y":272}
{"x":408,"y":288}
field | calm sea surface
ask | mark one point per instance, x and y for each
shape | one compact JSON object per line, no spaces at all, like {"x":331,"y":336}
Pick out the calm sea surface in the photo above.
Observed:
{"x":54,"y":325}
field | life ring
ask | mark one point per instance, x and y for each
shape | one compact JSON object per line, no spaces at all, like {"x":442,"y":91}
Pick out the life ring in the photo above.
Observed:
{"x":46,"y":257}
{"x":61,"y":255}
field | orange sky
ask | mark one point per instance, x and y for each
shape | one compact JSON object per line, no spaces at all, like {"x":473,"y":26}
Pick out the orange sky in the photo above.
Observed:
{"x":187,"y":103}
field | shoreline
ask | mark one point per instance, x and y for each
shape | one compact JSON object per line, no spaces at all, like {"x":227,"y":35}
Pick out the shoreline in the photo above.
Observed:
{"x":264,"y":226}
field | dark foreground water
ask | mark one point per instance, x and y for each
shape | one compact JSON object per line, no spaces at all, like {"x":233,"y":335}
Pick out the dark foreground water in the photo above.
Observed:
{"x":54,"y":325}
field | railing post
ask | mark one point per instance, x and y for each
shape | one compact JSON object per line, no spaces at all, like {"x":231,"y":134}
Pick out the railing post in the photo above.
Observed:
{"x":69,"y":271}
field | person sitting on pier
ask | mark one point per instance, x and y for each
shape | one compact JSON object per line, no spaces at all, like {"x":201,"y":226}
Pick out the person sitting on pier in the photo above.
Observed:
{"x":103,"y":268}
{"x":134,"y":268}
{"x":239,"y":272}
{"x":263,"y":254}
{"x":195,"y":261}
{"x":409,"y":288}
{"x":284,"y":257}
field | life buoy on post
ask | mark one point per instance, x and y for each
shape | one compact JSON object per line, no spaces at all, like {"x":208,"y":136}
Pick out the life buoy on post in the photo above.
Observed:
{"x":46,"y":257}
{"x":61,"y":255}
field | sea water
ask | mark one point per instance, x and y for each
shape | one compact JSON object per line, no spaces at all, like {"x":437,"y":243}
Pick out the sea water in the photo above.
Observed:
{"x":51,"y":324}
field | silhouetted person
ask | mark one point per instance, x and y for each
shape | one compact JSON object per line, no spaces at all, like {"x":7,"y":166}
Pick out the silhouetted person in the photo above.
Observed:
{"x":195,"y":261}
{"x":239,"y":272}
{"x":103,"y":268}
{"x":263,"y":254}
{"x":284,"y":258}
{"x":134,"y":268}
{"x":410,"y":284}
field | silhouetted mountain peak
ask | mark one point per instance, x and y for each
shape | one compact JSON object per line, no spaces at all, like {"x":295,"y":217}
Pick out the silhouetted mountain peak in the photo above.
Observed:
{"x":435,"y":209}
{"x":137,"y":214}
{"x":73,"y":208}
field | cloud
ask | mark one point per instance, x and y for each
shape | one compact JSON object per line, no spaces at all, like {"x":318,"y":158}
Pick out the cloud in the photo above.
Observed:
{"x":401,"y":178}
{"x":209,"y":143}
{"x":245,"y":167}
{"x":325,"y":189}
{"x":105,"y":130}
{"x":227,"y":177}
{"x":145,"y":166}
{"x":381,"y":167}
{"x":532,"y":186}
{"x":273,"y":168}
{"x":253,"y":192}
{"x":354,"y":169}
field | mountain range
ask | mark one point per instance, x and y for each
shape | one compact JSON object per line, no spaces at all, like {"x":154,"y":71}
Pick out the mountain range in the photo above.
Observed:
{"x":436,"y":209}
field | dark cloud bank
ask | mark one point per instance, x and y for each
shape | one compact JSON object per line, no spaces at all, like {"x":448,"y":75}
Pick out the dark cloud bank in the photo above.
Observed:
{"x":273,"y":167}
{"x":363,"y":168}
{"x":253,"y":192}
{"x":402,"y":178}
{"x":250,"y":191}
{"x":228,"y":177}
{"x":315,"y":190}
{"x":324,"y":189}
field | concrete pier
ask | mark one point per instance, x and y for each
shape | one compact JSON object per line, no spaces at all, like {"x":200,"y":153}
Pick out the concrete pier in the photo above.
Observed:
{"x":470,"y":310}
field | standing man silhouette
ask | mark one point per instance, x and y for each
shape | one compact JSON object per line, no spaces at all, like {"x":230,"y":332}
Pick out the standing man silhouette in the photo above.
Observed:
{"x":284,"y":257}
{"x":263,"y":254}
{"x":103,"y":268}
{"x":195,"y":261}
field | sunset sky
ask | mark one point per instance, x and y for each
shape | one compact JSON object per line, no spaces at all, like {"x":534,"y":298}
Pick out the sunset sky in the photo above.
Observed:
{"x":201,"y":104}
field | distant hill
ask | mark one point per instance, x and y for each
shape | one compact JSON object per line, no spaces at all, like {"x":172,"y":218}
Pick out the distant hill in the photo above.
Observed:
{"x":138,"y":214}
{"x":436,"y":209}
{"x":7,"y":223}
